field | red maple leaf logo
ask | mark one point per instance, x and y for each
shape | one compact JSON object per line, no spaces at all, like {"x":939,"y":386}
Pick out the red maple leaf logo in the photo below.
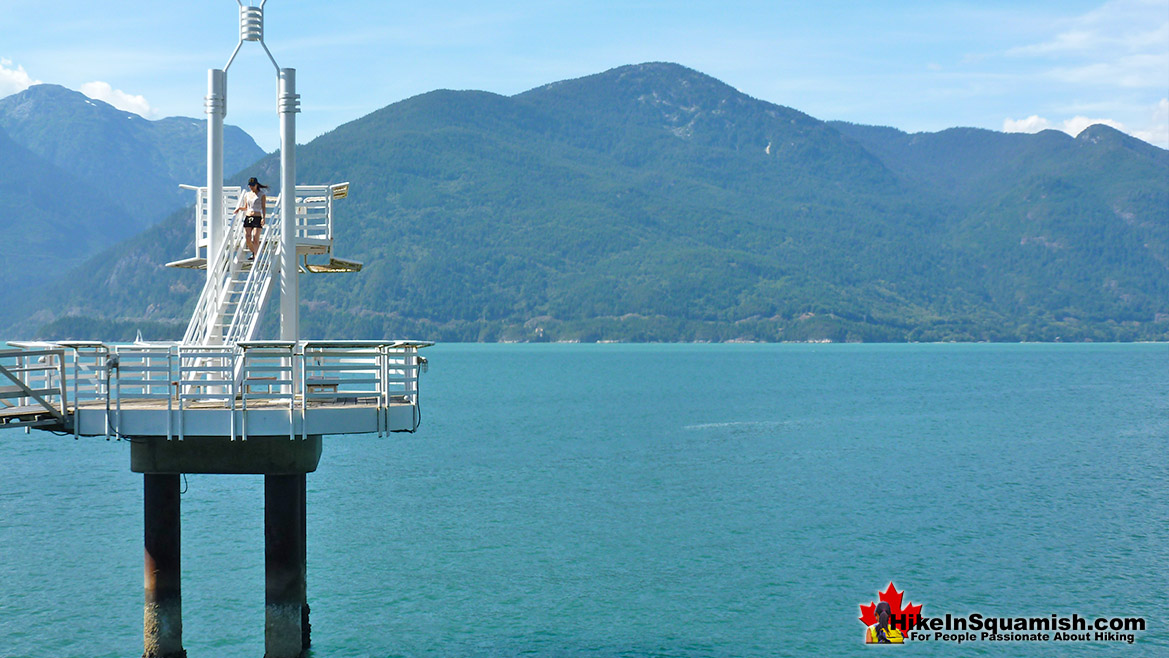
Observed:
{"x":893,"y":598}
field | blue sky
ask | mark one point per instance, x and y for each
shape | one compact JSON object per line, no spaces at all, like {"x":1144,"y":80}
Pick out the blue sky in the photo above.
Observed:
{"x":917,"y":66}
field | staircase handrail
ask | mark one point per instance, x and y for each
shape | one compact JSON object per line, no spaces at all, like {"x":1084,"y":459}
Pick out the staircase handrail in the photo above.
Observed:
{"x":199,"y":328}
{"x":252,"y":298}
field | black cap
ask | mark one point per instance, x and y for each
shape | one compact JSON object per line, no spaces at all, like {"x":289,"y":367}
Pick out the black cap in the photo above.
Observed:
{"x":253,"y":181}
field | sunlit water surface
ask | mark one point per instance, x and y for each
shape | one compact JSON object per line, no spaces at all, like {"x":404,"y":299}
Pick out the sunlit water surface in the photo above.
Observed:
{"x":648,"y":500}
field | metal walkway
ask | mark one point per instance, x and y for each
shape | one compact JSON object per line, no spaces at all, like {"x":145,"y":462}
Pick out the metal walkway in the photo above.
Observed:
{"x":269,"y":388}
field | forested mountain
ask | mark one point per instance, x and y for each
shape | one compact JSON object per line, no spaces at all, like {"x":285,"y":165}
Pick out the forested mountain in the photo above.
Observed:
{"x":78,"y":175}
{"x":50,"y":220}
{"x":135,"y":162}
{"x":652,"y":202}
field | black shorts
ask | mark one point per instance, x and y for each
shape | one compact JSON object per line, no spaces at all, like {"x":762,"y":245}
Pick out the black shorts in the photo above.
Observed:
{"x":253,"y":221}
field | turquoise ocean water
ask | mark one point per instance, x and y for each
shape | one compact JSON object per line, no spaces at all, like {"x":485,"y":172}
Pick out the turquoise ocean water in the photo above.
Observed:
{"x":649,"y":500}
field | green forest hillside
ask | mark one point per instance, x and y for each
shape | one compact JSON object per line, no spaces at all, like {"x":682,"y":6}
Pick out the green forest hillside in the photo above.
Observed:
{"x":652,"y":202}
{"x":46,"y":232}
{"x":119,"y":153}
{"x":78,"y":175}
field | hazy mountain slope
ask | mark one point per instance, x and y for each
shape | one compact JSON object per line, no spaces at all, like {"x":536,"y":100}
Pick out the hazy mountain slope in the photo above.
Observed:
{"x":78,"y":175}
{"x":652,"y":202}
{"x":135,"y":162}
{"x":49,"y":219}
{"x":1079,"y":225}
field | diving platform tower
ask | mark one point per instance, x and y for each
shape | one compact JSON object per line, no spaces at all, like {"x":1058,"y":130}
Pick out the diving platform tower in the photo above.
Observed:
{"x":219,"y":400}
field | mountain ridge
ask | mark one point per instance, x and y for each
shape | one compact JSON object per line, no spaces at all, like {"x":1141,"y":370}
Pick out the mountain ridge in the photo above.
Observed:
{"x":652,"y":202}
{"x":33,"y":248}
{"x":91,"y":138}
{"x":104,"y":174}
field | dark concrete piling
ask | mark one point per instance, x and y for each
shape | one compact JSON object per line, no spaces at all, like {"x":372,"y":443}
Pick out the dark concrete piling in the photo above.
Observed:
{"x":284,"y":566}
{"x":163,"y":614}
{"x":284,"y":464}
{"x":305,"y":626}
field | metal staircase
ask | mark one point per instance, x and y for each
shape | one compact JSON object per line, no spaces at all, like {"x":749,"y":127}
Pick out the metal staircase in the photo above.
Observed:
{"x":237,"y":289}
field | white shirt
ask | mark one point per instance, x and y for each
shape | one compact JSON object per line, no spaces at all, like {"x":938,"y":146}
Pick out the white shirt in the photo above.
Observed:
{"x":252,"y":203}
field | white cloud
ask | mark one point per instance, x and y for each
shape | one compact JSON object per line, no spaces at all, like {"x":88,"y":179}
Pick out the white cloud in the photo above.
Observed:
{"x":1115,"y":59}
{"x":1073,"y":126}
{"x":1139,"y":71}
{"x":1074,"y":40}
{"x":1123,"y":43}
{"x":1158,"y":131}
{"x":1155,"y":131}
{"x":14,"y":80}
{"x":102,"y":91}
{"x":1116,"y":28}
{"x":1031,"y":124}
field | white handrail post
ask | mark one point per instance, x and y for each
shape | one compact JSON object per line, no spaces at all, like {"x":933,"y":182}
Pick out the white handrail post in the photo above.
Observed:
{"x":118,"y":401}
{"x":303,"y":395}
{"x":291,"y":365}
{"x":76,"y":396}
{"x":329,"y":216}
{"x":63,"y":385}
{"x":384,"y":363}
{"x":170,"y":366}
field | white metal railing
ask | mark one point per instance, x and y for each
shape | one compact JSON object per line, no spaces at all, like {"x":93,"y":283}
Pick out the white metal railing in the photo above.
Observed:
{"x":314,"y":211}
{"x":205,"y":377}
{"x":253,"y":291}
{"x":236,"y":291}
{"x":203,"y":209}
{"x":224,"y":267}
{"x":267,"y":372}
{"x":143,"y":373}
{"x":60,"y":377}
{"x":33,"y":385}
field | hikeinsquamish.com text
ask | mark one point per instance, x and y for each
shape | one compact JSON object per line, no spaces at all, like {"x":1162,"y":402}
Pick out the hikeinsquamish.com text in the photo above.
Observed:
{"x":976,"y":627}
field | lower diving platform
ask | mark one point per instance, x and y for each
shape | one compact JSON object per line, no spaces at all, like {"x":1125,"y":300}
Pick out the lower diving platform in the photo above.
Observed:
{"x":214,"y":409}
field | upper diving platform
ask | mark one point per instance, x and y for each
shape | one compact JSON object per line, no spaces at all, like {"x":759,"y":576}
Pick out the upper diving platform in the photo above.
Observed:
{"x":314,"y":225}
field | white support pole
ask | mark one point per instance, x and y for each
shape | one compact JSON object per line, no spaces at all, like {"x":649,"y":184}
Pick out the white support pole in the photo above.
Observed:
{"x":216,"y":108}
{"x":289,"y":104}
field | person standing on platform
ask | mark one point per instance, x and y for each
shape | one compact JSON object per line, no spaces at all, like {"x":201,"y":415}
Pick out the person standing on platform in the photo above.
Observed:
{"x":252,"y":203}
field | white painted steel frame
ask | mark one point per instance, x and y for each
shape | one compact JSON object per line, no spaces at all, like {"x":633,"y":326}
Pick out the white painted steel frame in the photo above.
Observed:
{"x":289,"y":105}
{"x":326,"y":377}
{"x":268,"y":366}
{"x":34,"y":384}
{"x":212,"y":379}
{"x":237,"y":291}
{"x":315,"y":205}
